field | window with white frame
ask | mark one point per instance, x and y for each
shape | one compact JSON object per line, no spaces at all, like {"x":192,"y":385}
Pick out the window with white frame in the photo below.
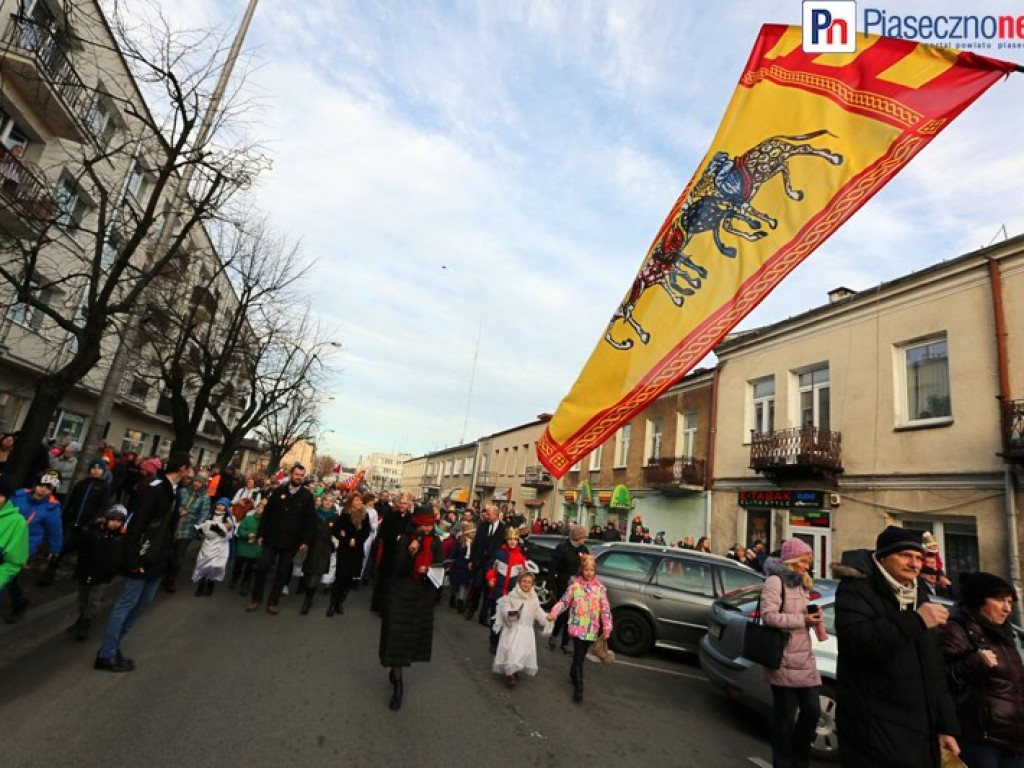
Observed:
{"x":686,"y":440}
{"x":139,"y":182}
{"x":815,"y":398}
{"x":763,"y":395}
{"x":101,"y":119}
{"x":622,"y":445}
{"x":30,"y":316}
{"x":468,"y":469}
{"x":71,"y":205}
{"x":576,"y":467}
{"x":595,"y":458}
{"x":654,"y":431}
{"x":458,"y":467}
{"x":67,"y":424}
{"x":924,"y":367}
{"x":134,"y":441}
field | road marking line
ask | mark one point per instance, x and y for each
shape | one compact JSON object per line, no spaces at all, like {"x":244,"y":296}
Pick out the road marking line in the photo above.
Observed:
{"x":652,"y":669}
{"x":759,"y":762}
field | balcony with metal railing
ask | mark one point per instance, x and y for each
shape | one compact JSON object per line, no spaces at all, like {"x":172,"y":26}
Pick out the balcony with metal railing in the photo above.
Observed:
{"x":26,"y":203}
{"x":675,"y":473}
{"x":795,"y":453}
{"x":538,"y":477}
{"x":429,"y":481}
{"x":1012,"y":427}
{"x":486,"y":480}
{"x":35,"y":61}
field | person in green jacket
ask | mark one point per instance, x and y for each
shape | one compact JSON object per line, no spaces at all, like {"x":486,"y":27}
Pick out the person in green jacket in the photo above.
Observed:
{"x":13,"y":537}
{"x":249,"y":549}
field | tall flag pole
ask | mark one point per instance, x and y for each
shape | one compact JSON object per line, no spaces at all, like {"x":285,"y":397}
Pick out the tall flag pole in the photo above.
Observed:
{"x":806,"y":140}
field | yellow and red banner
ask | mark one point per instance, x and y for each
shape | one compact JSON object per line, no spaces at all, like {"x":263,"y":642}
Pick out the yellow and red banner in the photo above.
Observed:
{"x":806,"y":140}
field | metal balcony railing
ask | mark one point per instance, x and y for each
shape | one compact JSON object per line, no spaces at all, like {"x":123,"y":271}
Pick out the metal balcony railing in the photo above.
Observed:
{"x":24,"y":188}
{"x":792,"y":451}
{"x":674,"y":472}
{"x":538,"y":477}
{"x":38,"y":42}
{"x":429,"y":481}
{"x":486,"y":480}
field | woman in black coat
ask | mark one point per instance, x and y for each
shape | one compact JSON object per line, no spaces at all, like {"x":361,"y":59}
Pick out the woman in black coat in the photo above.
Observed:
{"x":350,"y":529}
{"x":985,"y":673}
{"x":407,"y":632}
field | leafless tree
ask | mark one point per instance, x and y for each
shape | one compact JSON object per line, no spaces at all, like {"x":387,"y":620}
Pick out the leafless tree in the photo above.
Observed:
{"x":206,"y":336}
{"x":283,"y":385}
{"x":79,"y":261}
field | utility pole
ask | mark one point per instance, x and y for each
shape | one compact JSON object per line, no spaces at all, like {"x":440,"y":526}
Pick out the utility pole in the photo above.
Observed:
{"x":126,"y":339}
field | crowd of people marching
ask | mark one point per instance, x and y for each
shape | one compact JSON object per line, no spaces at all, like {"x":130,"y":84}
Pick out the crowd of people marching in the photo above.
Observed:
{"x":960,"y":688}
{"x":267,"y":537}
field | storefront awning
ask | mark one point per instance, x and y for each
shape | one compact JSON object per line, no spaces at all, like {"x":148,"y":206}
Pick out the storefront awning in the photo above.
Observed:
{"x":533,"y":503}
{"x":621,"y":498}
{"x":457,"y":495}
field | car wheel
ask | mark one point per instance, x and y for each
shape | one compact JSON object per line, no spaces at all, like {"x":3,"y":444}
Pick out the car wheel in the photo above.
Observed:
{"x":631,"y":633}
{"x":826,"y":738}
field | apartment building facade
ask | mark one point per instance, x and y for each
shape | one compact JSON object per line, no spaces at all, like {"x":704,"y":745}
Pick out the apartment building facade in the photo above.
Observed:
{"x":655,"y":467}
{"x":510,"y":475}
{"x":66,"y":98}
{"x":894,"y":405}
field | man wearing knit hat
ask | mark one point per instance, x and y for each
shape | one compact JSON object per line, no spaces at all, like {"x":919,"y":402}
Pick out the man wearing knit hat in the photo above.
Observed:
{"x":896,"y":709}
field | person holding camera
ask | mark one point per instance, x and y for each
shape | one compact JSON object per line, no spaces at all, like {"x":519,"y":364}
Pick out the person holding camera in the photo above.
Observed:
{"x":796,"y":684}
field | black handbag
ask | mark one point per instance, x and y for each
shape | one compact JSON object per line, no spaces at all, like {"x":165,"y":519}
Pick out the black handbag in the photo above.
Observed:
{"x":762,"y":644}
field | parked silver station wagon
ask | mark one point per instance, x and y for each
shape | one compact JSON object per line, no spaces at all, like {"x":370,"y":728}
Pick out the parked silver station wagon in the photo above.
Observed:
{"x":662,"y":595}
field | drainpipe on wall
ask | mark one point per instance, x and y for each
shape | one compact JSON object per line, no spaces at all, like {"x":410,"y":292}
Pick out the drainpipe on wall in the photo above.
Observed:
{"x":1005,"y":396}
{"x":709,"y":469}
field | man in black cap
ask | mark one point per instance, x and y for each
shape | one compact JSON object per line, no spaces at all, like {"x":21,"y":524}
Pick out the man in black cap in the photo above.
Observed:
{"x":896,"y":709}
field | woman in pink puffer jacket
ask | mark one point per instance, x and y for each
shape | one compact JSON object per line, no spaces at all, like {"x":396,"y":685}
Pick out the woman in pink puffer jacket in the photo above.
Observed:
{"x":796,"y":683}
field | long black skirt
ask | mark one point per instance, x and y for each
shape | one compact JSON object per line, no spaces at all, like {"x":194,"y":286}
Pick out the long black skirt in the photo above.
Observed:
{"x":407,"y":629}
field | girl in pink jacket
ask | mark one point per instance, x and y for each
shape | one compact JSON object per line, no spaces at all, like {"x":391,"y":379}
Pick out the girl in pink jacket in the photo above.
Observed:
{"x":796,"y":683}
{"x":590,"y":617}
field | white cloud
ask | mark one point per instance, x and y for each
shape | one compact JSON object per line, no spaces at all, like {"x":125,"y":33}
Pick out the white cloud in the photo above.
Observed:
{"x":501,"y":168}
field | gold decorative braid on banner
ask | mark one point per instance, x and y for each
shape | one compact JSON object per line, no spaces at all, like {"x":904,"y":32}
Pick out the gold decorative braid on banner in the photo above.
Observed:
{"x":670,"y":370}
{"x":933,"y":126}
{"x":869,"y":102}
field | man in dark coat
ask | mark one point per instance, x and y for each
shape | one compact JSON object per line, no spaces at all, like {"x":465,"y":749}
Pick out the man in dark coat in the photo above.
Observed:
{"x":895,"y":710}
{"x":565,"y":563}
{"x":148,"y":548}
{"x":286,"y":527}
{"x":490,"y":537}
{"x":393,"y":525}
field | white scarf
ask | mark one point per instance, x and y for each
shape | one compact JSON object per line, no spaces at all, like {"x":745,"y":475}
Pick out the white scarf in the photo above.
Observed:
{"x":906,"y":596}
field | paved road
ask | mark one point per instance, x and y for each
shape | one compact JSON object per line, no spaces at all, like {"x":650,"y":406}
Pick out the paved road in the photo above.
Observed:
{"x":216,"y":686}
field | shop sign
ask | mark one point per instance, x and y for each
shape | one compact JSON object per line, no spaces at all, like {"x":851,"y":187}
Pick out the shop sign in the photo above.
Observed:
{"x":811,"y":518}
{"x":782,"y":499}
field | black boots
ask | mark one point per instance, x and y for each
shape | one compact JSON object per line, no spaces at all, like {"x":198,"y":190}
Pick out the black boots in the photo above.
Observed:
{"x":307,"y":603}
{"x":337,"y":606}
{"x":396,"y":692}
{"x":576,"y":676}
{"x":210,"y":584}
{"x":200,"y":587}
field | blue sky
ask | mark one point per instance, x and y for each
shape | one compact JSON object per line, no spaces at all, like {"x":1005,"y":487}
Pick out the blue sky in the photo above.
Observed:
{"x":500,"y":168}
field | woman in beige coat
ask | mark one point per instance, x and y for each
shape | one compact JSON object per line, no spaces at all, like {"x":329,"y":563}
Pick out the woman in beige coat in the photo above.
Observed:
{"x":796,"y":683}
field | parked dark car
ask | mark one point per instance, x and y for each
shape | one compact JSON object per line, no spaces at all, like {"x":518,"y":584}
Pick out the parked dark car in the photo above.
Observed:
{"x":721,"y":657}
{"x":540,"y":547}
{"x":662,"y":596}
